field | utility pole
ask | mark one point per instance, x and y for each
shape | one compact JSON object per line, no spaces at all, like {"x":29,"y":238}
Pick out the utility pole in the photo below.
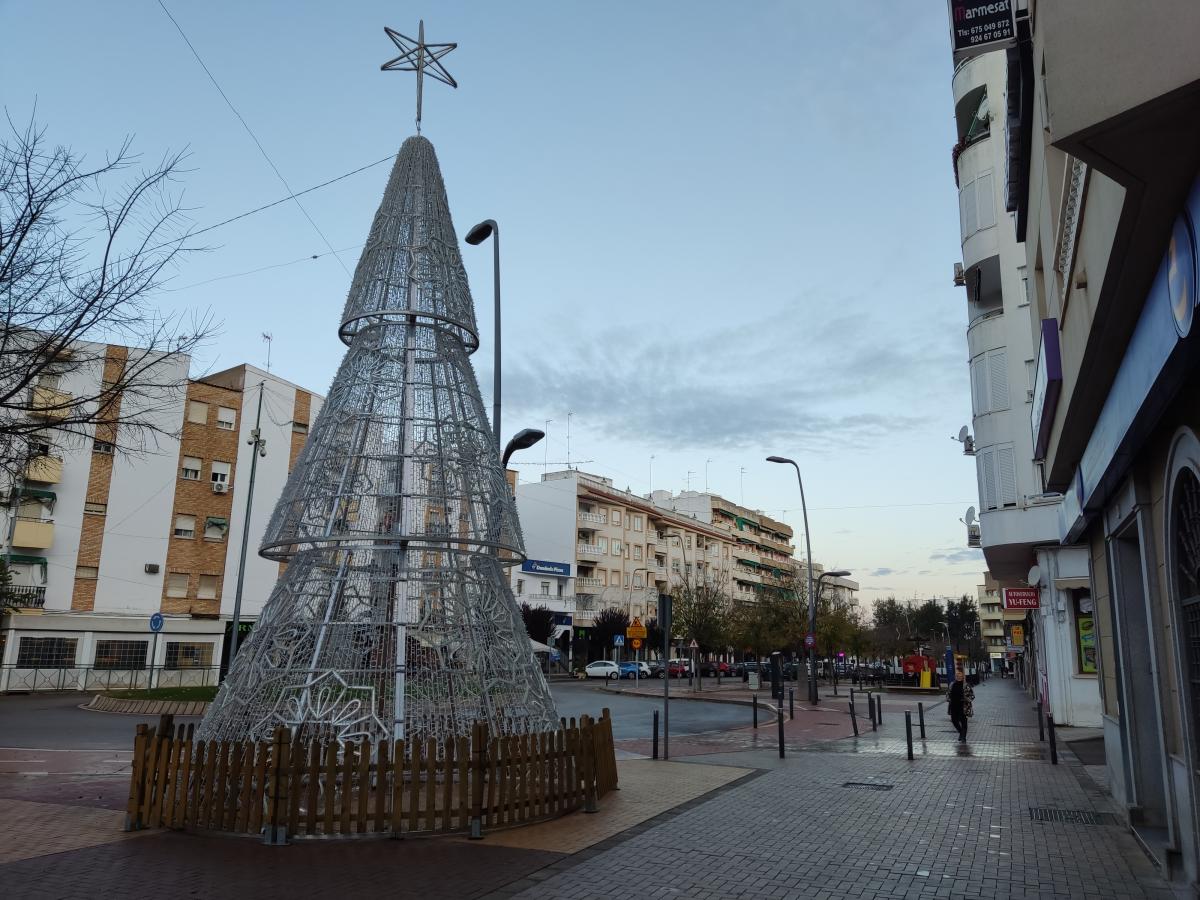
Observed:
{"x":260,"y":449}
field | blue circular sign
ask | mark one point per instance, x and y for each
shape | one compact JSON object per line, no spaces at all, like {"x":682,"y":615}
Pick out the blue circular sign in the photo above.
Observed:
{"x":1181,"y":275}
{"x":156,"y":622}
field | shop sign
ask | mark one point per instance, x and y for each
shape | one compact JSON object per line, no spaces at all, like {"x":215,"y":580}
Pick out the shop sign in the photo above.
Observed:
{"x":1047,"y":384}
{"x":1022,"y":598}
{"x":542,"y":567}
{"x":1017,"y":635}
{"x":977,"y":26}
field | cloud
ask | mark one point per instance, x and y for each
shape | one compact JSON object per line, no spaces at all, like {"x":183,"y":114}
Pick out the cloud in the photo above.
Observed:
{"x":881,"y":573}
{"x":956,"y":555}
{"x":785,"y":379}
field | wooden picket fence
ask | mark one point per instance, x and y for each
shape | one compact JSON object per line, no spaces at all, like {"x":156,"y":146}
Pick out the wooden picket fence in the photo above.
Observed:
{"x":295,"y":787}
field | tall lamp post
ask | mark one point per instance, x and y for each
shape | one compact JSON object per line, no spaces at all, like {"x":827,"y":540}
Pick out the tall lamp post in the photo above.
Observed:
{"x":812,"y":618}
{"x":477,"y":235}
{"x":522,"y":440}
{"x":812,"y":605}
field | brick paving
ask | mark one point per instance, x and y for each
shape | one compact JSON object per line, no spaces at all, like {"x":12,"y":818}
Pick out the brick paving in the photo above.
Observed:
{"x":734,"y":822}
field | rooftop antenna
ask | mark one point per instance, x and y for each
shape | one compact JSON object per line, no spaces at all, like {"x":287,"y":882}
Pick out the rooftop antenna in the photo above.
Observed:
{"x":689,"y":479}
{"x":546,"y":445}
{"x":742,"y":485}
{"x":569,"y":414}
{"x":268,"y":337}
{"x":706,"y":462}
{"x":651,"y":474}
{"x":420,"y":57}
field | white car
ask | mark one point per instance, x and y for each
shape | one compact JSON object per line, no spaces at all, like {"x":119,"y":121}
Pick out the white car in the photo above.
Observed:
{"x":603,"y":668}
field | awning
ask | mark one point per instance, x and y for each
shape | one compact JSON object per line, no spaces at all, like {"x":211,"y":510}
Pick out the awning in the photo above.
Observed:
{"x":22,"y":559}
{"x":539,"y":647}
{"x":39,"y":494}
{"x":216,"y":522}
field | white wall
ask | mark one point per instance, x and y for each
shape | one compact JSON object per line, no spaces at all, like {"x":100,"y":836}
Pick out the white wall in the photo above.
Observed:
{"x":547,"y":512}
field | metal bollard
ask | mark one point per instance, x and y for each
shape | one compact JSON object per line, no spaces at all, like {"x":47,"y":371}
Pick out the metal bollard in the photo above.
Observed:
{"x":854,"y":720}
{"x":1041,"y":724}
{"x":921,"y":716}
{"x":874,"y":721}
{"x":1053,"y":745}
{"x":879,"y":709}
{"x":654,"y":754}
{"x":754,"y":704}
{"x":908,"y":731}
{"x":779,"y":718}
{"x":792,"y":703}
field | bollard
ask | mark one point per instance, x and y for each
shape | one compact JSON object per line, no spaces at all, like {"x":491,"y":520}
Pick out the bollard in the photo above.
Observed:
{"x":779,"y":718}
{"x":792,"y":703}
{"x":879,"y":709}
{"x":1041,"y":724}
{"x":921,"y":716}
{"x":1053,"y":745}
{"x":908,"y":731}
{"x":654,"y":754}
{"x":871,"y":709}
{"x":754,"y":705}
{"x":874,"y":721}
{"x":854,"y":720}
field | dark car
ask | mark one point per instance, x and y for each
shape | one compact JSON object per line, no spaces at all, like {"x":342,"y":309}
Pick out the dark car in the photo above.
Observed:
{"x":713,"y":667}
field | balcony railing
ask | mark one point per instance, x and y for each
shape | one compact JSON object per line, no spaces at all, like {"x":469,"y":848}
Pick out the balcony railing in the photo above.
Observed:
{"x":26,"y":596}
{"x":23,"y":679}
{"x":592,"y":518}
{"x":50,"y":403}
{"x":34,"y":534}
{"x":47,"y":469}
{"x":589,"y":550}
{"x":590,"y":585}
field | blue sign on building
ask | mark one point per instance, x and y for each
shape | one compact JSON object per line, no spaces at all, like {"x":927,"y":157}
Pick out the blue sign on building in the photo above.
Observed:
{"x":542,"y":567}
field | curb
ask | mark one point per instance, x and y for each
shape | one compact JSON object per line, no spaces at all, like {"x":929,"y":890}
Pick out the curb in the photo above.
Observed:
{"x":732,"y":701}
{"x":130,"y":707}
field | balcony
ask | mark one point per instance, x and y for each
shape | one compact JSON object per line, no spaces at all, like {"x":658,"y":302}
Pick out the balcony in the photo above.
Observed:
{"x":588,"y":585}
{"x":592,"y":550}
{"x":26,"y":596}
{"x":49,"y":403}
{"x":589,"y":520}
{"x":33,"y":534}
{"x":47,"y":469}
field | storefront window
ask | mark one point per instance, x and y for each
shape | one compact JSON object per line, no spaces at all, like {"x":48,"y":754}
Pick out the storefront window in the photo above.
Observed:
{"x":1085,"y":633}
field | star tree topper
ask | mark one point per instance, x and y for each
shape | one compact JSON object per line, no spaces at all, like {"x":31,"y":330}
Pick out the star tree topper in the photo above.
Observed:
{"x":420,"y":57}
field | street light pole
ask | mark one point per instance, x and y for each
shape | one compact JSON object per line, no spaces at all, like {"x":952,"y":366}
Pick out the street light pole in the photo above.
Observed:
{"x":475,"y":236}
{"x":812,"y":600}
{"x":259,"y":449}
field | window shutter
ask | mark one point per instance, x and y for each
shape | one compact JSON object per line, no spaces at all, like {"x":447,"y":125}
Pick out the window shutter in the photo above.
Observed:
{"x":997,"y":362}
{"x":970,"y":216}
{"x":979,"y":387}
{"x":987,"y":478}
{"x":1007,"y":475}
{"x":985,"y":200}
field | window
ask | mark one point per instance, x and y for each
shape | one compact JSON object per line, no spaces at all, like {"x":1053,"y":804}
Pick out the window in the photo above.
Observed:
{"x":299,"y":428}
{"x":1085,"y":632}
{"x":190,"y":470}
{"x":616,"y":517}
{"x":637,"y":551}
{"x":220,"y":472}
{"x":98,"y":509}
{"x":989,"y":382}
{"x":182,"y":655}
{"x":520,"y":586}
{"x":121,"y":654}
{"x":602,"y":543}
{"x":102,"y":447}
{"x":208,"y":587}
{"x":689,"y":542}
{"x":997,"y":476}
{"x":637,"y":523}
{"x":226,"y":417}
{"x":86,"y":572}
{"x":177,"y":584}
{"x":1023,"y":297}
{"x":185,"y":526}
{"x":637,"y":581}
{"x":675,"y":566}
{"x":977,"y":205}
{"x":215,"y":528}
{"x":49,"y":381}
{"x":197,"y":412}
{"x":614,"y":578}
{"x":545,"y":592}
{"x":46,"y":653}
{"x":616,"y":547}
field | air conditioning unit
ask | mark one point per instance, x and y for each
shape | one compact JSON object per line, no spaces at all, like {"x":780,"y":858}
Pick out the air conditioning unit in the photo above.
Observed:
{"x":220,"y":487}
{"x":151,"y":568}
{"x":960,"y":279}
{"x":973,"y":536}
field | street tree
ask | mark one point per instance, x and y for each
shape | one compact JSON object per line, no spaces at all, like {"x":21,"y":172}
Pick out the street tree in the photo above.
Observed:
{"x":607,"y":624}
{"x":700,"y":610}
{"x":83,"y":249}
{"x":539,"y":622}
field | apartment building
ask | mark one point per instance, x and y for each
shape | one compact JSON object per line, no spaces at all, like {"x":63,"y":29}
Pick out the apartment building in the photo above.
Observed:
{"x":1018,"y":528}
{"x":991,"y":619}
{"x":102,"y":541}
{"x":1104,"y":190}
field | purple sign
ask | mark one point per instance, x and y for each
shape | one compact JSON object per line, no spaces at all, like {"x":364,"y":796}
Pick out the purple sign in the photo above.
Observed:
{"x":1046,"y":386}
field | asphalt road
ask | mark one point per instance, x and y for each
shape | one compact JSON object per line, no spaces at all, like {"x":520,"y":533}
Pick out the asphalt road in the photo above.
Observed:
{"x":55,"y":721}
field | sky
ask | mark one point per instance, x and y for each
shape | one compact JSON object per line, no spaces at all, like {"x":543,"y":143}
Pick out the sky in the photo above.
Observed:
{"x":728,"y":229}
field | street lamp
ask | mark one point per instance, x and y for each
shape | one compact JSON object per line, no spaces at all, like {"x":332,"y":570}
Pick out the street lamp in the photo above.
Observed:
{"x":477,"y":235}
{"x":522,"y":440}
{"x":812,"y":606}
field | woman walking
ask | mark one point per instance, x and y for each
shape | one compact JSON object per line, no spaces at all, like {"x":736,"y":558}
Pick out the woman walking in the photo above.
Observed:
{"x":961,"y":702}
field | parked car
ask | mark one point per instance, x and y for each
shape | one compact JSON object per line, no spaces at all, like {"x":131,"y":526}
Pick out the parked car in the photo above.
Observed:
{"x":713,"y":667}
{"x":681,"y":668}
{"x":635,"y":670}
{"x":602,"y":668}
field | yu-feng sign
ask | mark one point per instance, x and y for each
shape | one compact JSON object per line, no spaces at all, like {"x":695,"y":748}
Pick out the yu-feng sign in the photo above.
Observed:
{"x":420,"y":57}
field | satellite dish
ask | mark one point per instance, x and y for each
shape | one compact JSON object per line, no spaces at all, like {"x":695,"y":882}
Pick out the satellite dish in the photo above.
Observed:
{"x":1034,"y":578}
{"x":963,"y":434}
{"x":969,"y":518}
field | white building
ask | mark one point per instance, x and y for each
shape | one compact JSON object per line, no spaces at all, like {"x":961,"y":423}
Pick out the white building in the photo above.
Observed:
{"x":1018,"y":518}
{"x":101,"y":542}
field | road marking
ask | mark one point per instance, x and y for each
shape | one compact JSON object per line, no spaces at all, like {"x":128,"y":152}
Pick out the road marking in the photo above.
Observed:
{"x":4,"y":761}
{"x":67,"y":750}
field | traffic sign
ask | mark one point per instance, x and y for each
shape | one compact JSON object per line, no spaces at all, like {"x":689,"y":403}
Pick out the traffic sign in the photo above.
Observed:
{"x":635,"y":643}
{"x":156,"y":622}
{"x":810,"y":640}
{"x":618,"y":640}
{"x":636,"y":629}
{"x":693,"y":645}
